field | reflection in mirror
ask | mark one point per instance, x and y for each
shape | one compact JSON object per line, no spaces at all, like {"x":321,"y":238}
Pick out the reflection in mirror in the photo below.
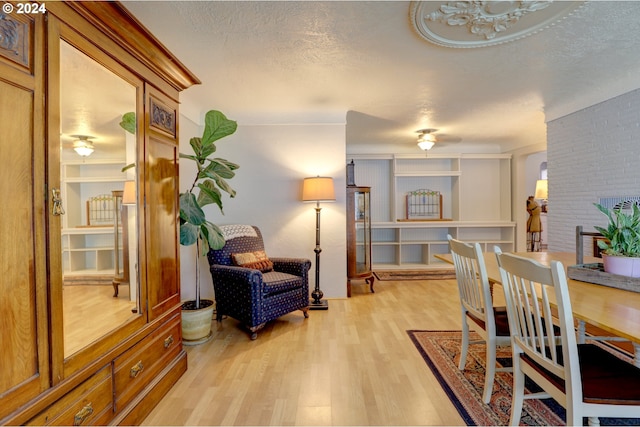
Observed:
{"x":99,"y":227}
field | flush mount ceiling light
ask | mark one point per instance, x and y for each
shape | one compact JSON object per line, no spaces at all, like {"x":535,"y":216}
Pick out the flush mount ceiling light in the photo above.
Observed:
{"x":82,"y":145}
{"x":426,"y":140}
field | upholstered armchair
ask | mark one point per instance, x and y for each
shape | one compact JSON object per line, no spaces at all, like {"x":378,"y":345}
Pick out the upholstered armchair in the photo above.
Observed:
{"x":251,"y":287}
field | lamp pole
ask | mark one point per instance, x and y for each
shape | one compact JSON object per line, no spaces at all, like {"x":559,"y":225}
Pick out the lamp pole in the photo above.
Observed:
{"x":317,"y":294}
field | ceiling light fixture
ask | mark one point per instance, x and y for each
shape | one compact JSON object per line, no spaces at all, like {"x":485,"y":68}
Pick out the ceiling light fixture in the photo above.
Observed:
{"x":82,"y":145}
{"x":426,"y":140}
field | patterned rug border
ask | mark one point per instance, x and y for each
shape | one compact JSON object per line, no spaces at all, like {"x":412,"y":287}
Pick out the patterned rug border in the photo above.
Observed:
{"x":468,"y":420}
{"x":467,"y":398}
{"x":426,"y":274}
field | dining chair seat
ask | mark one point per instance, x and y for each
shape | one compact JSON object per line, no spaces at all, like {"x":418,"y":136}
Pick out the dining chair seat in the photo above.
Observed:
{"x":606,"y":379}
{"x":500,"y":318}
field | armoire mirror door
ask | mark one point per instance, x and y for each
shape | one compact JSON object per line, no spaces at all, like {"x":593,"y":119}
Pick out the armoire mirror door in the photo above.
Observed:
{"x":98,"y":214}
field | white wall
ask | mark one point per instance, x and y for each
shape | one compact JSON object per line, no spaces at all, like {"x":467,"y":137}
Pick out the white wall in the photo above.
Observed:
{"x":273,"y":161}
{"x":532,"y":171}
{"x":592,"y":153}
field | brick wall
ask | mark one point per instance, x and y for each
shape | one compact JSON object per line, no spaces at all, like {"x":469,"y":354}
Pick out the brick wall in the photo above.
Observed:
{"x":592,"y":153}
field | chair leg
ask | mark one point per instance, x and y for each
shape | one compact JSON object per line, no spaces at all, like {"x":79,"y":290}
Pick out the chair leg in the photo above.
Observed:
{"x":254,"y":330}
{"x":490,"y":373}
{"x":465,"y":343}
{"x":517,"y":398}
{"x":305,"y":311}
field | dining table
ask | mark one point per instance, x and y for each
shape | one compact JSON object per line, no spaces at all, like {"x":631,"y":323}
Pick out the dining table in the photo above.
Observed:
{"x":613,"y":310}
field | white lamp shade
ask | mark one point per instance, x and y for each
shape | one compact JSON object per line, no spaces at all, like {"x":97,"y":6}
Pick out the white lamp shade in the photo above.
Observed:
{"x":318,"y":189}
{"x":542,"y":189}
{"x":84,"y":150}
{"x":426,"y":145}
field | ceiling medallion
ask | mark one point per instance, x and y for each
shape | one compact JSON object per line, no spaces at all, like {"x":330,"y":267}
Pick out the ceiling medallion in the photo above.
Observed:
{"x":486,"y":18}
{"x":479,"y":23}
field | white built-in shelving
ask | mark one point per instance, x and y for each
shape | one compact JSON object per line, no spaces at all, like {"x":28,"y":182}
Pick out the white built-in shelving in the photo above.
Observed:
{"x":88,"y":250}
{"x":476,"y":190}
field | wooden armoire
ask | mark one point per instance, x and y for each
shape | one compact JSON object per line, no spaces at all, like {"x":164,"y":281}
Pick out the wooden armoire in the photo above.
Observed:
{"x":58,"y":61}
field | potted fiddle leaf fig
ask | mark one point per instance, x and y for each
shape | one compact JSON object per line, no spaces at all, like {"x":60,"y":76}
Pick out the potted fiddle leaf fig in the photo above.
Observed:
{"x":195,"y":229}
{"x":621,"y":249}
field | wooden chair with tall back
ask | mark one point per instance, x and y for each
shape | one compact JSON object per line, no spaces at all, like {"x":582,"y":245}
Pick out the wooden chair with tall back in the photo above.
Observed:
{"x":586,"y":379}
{"x":476,"y":304}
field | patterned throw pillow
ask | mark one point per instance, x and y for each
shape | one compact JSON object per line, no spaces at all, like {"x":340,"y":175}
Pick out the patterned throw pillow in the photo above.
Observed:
{"x":257,"y":260}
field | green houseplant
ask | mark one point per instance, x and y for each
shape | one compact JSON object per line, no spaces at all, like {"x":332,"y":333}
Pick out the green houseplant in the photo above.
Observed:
{"x":195,"y":229}
{"x":621,"y":249}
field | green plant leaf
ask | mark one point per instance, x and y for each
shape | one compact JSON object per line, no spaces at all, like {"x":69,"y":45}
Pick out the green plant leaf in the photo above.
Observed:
{"x":208,"y":149}
{"x":230,"y":165}
{"x":217,"y":172}
{"x":224,"y":186}
{"x":196,"y":146}
{"x":189,"y":234}
{"x":127,"y":167}
{"x":216,"y":126}
{"x":188,"y":156}
{"x":218,"y":168}
{"x":128,"y":122}
{"x":209,"y":194}
{"x":190,"y":211}
{"x":212,"y":237}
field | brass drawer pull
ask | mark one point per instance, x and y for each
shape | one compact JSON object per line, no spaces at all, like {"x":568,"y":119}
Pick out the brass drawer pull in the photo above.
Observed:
{"x":136,"y":369}
{"x":83,"y":414}
{"x":168,"y":341}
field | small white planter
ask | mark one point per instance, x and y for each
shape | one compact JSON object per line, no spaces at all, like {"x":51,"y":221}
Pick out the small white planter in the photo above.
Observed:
{"x":623,"y":266}
{"x":196,"y":324}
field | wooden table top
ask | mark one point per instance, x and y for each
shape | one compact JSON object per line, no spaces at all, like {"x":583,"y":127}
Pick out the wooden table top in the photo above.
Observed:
{"x":614,"y":310}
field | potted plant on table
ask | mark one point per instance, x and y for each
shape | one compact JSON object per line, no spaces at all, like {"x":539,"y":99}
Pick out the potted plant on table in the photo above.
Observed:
{"x":621,"y":249}
{"x":195,"y":228}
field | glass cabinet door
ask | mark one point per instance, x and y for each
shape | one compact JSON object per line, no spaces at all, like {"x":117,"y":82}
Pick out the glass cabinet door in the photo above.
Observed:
{"x":359,"y":236}
{"x":363,"y":232}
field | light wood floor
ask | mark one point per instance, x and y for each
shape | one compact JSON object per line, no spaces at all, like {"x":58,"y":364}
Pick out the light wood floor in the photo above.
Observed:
{"x":351,"y":365}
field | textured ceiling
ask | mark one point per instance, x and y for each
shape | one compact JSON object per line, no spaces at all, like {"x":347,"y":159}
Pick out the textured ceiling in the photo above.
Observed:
{"x":363,"y":62}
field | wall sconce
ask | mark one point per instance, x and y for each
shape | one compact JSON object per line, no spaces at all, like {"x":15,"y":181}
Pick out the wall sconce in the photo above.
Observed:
{"x":317,"y":189}
{"x":82,"y":145}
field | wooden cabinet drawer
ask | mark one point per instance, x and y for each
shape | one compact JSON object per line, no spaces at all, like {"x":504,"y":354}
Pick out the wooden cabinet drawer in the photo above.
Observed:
{"x":90,"y":403}
{"x":139,"y":365}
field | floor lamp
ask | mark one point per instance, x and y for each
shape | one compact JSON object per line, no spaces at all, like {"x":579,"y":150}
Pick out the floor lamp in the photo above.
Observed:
{"x":318,"y":189}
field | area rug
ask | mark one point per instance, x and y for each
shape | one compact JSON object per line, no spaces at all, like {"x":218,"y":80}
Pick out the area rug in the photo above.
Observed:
{"x":441,"y":351}
{"x":431,"y":274}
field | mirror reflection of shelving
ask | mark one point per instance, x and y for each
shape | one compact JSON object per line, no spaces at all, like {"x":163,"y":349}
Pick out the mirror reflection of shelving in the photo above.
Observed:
{"x":88,"y":246}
